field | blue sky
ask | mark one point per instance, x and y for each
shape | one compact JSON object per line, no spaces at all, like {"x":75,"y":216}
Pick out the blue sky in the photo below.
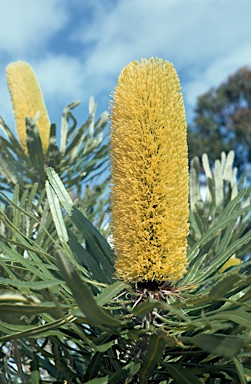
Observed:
{"x":77,"y":48}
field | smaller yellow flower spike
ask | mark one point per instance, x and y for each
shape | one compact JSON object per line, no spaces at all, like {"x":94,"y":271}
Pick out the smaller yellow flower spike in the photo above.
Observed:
{"x":27,"y":100}
{"x":230,"y":263}
{"x":149,"y":164}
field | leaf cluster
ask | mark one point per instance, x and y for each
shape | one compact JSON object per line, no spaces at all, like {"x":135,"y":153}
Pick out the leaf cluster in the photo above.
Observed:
{"x":77,"y":153}
{"x":65,"y":318}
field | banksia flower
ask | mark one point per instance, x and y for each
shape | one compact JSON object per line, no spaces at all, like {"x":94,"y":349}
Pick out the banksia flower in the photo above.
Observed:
{"x":149,"y":164}
{"x":27,"y":100}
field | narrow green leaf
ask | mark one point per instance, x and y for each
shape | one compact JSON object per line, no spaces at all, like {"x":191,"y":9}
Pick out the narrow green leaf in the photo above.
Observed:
{"x":182,"y":375}
{"x":53,"y":156}
{"x":74,"y":138}
{"x":220,"y":345}
{"x":196,"y":224}
{"x":16,"y":193}
{"x":94,"y":313}
{"x":223,"y":221}
{"x":111,"y":291}
{"x":97,"y":246}
{"x":38,"y":331}
{"x":146,"y":307}
{"x":27,"y":309}
{"x":193,"y":269}
{"x":238,"y":316}
{"x":59,"y":189}
{"x":56,"y":214}
{"x":247,"y":373}
{"x":153,"y":355}
{"x":35,"y":377}
{"x":237,"y":244}
{"x":101,"y":380}
{"x":88,"y":261}
{"x":64,"y":125}
{"x":32,"y":194}
{"x":26,"y":263}
{"x":234,"y":202}
{"x":104,"y":347}
{"x":220,"y":259}
{"x":35,"y":285}
{"x":92,"y":109}
{"x":131,"y":369}
{"x":224,"y":286}
{"x":93,"y":366}
{"x":34,"y":145}
{"x":8,"y":171}
{"x":219,"y":196}
{"x":127,"y":372}
{"x":35,"y":373}
{"x":206,"y":166}
{"x":228,"y":166}
{"x":212,"y":294}
{"x":227,"y":237}
{"x":240,"y":370}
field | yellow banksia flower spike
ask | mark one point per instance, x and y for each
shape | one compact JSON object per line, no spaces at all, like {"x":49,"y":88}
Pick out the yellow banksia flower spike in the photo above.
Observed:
{"x":149,"y":164}
{"x":27,"y":100}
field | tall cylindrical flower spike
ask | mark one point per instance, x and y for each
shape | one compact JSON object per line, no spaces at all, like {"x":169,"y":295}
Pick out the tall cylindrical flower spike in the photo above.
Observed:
{"x":27,"y":100}
{"x":149,"y":164}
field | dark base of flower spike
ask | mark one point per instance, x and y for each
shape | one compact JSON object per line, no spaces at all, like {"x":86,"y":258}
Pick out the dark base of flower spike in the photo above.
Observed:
{"x":160,"y":291}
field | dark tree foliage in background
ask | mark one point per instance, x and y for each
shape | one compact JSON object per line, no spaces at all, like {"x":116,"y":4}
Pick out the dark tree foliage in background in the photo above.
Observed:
{"x":223,"y":120}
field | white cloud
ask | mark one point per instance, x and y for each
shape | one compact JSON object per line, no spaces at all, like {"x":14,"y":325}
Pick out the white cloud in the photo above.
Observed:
{"x":62,"y":79}
{"x":60,"y":76}
{"x":187,"y":30}
{"x":206,"y":40}
{"x":216,"y":73}
{"x":26,"y":25}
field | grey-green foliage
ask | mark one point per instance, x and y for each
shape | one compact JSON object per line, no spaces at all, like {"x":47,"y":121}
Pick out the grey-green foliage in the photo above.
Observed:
{"x":79,"y":154}
{"x":65,"y":317}
{"x":220,"y":195}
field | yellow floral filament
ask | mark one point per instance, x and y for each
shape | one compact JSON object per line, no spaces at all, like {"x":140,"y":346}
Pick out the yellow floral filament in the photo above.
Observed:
{"x":27,"y":100}
{"x":149,"y":163}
